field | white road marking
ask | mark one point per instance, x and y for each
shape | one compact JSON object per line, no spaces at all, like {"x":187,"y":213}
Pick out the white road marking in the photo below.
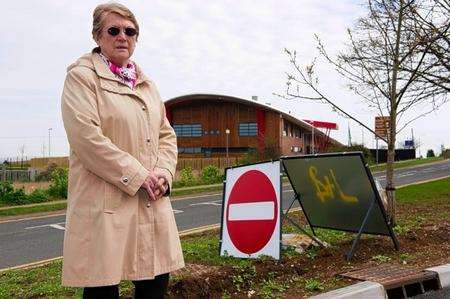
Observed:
{"x":263,"y":210}
{"x":57,"y":226}
{"x":54,"y":225}
{"x":177,"y":211}
{"x":206,"y":203}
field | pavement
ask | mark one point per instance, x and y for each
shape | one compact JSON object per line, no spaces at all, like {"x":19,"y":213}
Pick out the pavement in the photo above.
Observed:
{"x":30,"y":240}
{"x":374,"y":290}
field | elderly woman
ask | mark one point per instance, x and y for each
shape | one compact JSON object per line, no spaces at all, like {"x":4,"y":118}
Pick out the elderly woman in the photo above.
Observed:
{"x":120,"y":223}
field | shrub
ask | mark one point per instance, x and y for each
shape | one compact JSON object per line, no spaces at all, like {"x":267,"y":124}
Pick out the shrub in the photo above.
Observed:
{"x":58,"y":187}
{"x":430,"y":153}
{"x":38,"y":195}
{"x":251,"y":156}
{"x":211,"y":175}
{"x":187,"y":177}
{"x":46,"y":175}
{"x":12,"y":196}
{"x":446,"y":154}
{"x":354,"y":148}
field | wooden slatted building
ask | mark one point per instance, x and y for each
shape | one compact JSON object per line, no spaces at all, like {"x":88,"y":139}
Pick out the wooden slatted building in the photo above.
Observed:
{"x":201,"y":122}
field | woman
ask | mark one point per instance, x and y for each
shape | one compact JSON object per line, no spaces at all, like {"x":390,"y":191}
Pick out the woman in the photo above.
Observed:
{"x":120,"y":223}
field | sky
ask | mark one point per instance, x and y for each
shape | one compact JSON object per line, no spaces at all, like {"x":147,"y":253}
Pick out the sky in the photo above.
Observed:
{"x":221,"y":47}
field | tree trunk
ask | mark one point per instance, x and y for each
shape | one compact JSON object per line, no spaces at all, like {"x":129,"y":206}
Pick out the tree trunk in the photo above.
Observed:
{"x":390,"y":186}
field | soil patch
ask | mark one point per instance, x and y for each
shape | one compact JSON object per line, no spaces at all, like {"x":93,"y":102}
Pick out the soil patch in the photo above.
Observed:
{"x":423,"y":231}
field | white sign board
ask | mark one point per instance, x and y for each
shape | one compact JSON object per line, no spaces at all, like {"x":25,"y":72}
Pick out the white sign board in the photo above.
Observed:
{"x":251,"y":211}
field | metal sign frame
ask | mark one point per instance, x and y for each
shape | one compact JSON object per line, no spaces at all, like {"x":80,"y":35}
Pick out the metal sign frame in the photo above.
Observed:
{"x":376,"y":201}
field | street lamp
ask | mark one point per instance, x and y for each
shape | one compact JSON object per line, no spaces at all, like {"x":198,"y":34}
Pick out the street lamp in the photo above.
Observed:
{"x":227,"y":132}
{"x":49,"y":129}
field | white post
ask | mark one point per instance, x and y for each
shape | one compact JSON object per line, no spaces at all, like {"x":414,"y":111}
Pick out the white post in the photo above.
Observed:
{"x":376,"y":145}
{"x":312,"y":141}
{"x":49,"y":153}
{"x":227,"y":132}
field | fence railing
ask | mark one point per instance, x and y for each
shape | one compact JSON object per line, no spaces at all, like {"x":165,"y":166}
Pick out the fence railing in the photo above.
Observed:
{"x":200,"y":163}
{"x":18,"y":175}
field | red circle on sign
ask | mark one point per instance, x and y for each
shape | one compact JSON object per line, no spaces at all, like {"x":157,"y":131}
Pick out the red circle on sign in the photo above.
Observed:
{"x":251,"y":235}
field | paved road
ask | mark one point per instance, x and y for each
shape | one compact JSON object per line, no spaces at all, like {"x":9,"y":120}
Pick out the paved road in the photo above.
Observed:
{"x":31,"y":240}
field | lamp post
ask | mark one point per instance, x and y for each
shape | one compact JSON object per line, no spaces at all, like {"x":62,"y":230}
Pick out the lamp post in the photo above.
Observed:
{"x":227,"y":132}
{"x":49,"y":129}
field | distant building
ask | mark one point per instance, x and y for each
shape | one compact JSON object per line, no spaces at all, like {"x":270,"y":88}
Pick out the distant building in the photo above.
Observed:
{"x":201,"y":123}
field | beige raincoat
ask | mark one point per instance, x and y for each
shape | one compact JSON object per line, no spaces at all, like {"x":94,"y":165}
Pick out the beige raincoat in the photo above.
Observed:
{"x":116,"y":135}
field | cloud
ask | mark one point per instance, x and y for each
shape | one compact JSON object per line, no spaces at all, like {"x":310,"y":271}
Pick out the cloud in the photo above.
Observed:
{"x":186,"y":47}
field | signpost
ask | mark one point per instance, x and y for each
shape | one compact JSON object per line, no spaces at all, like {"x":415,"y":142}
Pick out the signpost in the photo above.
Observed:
{"x":251,"y":211}
{"x":337,"y":191}
{"x":382,"y":125}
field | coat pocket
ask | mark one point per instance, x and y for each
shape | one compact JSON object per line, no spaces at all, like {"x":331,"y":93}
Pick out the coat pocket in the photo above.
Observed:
{"x":113,"y":198}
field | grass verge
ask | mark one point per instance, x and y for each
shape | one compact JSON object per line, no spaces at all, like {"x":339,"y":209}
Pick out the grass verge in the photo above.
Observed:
{"x":38,"y":208}
{"x":7,"y":211}
{"x":406,"y":163}
{"x":297,"y":275}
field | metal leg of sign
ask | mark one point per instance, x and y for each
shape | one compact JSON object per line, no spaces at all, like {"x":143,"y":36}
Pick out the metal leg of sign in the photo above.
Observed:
{"x":394,"y":238}
{"x":358,"y":237}
{"x":313,"y":237}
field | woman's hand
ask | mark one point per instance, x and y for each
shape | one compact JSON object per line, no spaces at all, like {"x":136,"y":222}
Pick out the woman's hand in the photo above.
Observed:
{"x":156,"y":184}
{"x":162,"y":184}
{"x":149,"y":185}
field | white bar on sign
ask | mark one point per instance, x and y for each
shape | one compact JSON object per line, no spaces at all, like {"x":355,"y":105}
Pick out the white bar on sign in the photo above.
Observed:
{"x":262,"y":210}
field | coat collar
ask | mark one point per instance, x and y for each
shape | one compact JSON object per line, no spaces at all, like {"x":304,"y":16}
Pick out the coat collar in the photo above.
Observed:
{"x":103,"y":71}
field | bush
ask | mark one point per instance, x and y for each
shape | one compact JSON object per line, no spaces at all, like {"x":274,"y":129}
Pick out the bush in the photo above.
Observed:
{"x":430,"y":153}
{"x":46,"y":175}
{"x":59,"y":179}
{"x":11,"y":196}
{"x":250,"y":157}
{"x":446,"y":154}
{"x":354,"y":148}
{"x":38,"y":195}
{"x":211,"y":175}
{"x":187,"y":177}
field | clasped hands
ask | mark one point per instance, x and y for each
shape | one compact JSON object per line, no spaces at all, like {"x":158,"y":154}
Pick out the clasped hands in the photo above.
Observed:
{"x":156,"y":184}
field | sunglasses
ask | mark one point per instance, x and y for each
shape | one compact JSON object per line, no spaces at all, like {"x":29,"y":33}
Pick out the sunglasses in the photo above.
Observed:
{"x":129,"y":31}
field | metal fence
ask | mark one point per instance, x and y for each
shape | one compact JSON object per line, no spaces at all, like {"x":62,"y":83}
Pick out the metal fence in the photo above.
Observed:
{"x":28,"y":175}
{"x":200,"y":163}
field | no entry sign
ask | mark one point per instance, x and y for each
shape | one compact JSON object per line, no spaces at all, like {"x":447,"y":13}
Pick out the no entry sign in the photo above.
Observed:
{"x":251,"y":211}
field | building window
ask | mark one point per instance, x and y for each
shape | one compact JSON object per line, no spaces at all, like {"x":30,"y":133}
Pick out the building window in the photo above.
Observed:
{"x":189,"y":150}
{"x":191,"y":130}
{"x":285,"y":127}
{"x":296,"y":132}
{"x":248,"y":129}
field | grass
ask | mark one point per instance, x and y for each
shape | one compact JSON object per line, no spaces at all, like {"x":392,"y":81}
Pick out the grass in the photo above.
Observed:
{"x":406,"y":163}
{"x":203,"y":248}
{"x":56,"y":206}
{"x":38,"y":208}
{"x":431,"y":191}
{"x":178,"y":192}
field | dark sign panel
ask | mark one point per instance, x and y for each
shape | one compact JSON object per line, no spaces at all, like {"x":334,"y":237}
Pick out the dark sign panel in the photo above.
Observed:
{"x":336,"y":191}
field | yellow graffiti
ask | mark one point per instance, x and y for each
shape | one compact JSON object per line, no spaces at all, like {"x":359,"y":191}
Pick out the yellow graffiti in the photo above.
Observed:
{"x":325,"y":189}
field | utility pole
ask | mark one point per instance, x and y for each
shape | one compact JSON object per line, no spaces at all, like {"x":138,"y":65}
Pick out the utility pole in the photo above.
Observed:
{"x":49,"y":153}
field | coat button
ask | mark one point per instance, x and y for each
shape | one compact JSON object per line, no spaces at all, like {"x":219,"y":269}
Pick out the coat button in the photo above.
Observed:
{"x":143,"y":108}
{"x":148,"y":139}
{"x":125,"y":180}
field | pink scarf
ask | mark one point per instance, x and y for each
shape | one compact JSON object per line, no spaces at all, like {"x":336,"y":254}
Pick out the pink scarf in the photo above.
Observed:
{"x":126,"y":74}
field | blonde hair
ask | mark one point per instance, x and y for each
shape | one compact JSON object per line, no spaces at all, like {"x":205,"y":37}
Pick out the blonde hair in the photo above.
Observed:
{"x":102,"y":10}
